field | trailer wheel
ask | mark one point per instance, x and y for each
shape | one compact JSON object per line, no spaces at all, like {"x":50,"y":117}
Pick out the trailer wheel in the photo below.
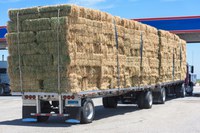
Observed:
{"x":45,"y":108}
{"x":189,"y":90}
{"x":181,"y":91}
{"x":145,"y":100}
{"x":105,"y":102}
{"x":160,"y":96}
{"x":110,"y":102}
{"x":88,"y":111}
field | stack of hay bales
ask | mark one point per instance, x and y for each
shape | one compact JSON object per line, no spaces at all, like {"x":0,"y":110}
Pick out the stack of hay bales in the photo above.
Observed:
{"x":82,"y":42}
{"x":172,"y":57}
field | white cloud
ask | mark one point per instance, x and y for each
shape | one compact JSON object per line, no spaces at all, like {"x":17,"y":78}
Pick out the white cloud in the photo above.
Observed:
{"x":97,"y":4}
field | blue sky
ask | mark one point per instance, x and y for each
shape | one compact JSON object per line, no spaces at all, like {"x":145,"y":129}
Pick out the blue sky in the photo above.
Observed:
{"x":125,"y":9}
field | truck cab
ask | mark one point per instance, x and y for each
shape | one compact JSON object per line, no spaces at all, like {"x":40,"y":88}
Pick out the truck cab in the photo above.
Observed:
{"x":4,"y":79}
{"x":190,"y":80}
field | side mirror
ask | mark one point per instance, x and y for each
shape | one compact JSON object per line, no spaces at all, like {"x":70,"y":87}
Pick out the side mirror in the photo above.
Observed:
{"x":192,"y":69}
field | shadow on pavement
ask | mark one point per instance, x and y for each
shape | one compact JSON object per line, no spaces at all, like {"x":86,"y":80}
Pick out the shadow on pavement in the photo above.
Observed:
{"x":52,"y":122}
{"x":100,"y":113}
{"x":196,"y":94}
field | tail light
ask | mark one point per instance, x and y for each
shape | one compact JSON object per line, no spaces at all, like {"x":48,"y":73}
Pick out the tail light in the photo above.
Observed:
{"x":72,"y":97}
{"x":68,"y":97}
{"x":30,"y":97}
{"x":64,"y":97}
{"x":26,"y":96}
{"x":34,"y":97}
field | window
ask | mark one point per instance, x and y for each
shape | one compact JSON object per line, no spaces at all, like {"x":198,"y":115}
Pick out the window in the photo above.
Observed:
{"x":3,"y":70}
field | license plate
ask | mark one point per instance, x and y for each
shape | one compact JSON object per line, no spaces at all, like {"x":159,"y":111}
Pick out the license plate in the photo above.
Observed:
{"x":72,"y":102}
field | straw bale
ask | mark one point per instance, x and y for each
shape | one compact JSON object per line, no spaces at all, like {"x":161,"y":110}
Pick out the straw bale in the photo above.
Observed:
{"x":14,"y":61}
{"x":88,"y":53}
{"x":37,"y":72}
{"x":24,"y":37}
{"x":50,"y":36}
{"x":12,"y":27}
{"x":51,"y":48}
{"x":37,"y":60}
{"x":29,"y":85}
{"x":25,"y":49}
{"x":52,"y":11}
{"x":51,"y":85}
{"x":64,"y":59}
{"x":36,"y":24}
{"x":24,"y":13}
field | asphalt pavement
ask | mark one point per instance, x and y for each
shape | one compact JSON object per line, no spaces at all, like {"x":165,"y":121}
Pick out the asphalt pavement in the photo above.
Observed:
{"x":177,"y":115}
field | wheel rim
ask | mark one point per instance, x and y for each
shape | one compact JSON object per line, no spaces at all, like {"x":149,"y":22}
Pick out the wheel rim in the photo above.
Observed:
{"x":89,"y":111}
{"x":1,"y":90}
{"x":163,"y":95}
{"x":183,"y":89}
{"x":150,"y":99}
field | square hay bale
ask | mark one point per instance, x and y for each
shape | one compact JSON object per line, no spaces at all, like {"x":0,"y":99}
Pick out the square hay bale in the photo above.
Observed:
{"x":24,"y":13}
{"x":37,"y":60}
{"x":50,"y":36}
{"x":24,"y":37}
{"x":24,"y":49}
{"x":12,"y":27}
{"x":36,"y":24}
{"x":52,"y":11}
{"x":88,"y":52}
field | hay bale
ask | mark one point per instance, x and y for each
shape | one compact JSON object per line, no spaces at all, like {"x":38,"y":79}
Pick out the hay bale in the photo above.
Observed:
{"x":24,"y":13}
{"x":50,"y":36}
{"x":52,"y":11}
{"x":36,"y":24}
{"x":88,"y":52}
{"x":12,"y":27}
{"x":25,"y":49}
{"x":24,"y":37}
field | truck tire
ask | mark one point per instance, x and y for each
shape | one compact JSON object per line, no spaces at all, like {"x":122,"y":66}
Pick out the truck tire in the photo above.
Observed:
{"x":160,"y":96}
{"x":105,"y":102}
{"x":181,"y":91}
{"x":87,"y":112}
{"x":45,"y":108}
{"x":145,"y":100}
{"x":110,"y":102}
{"x":190,"y":92}
{"x":1,"y":90}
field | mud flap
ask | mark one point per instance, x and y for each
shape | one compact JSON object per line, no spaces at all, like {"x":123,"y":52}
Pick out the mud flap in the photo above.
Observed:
{"x":74,"y":114}
{"x":26,"y":114}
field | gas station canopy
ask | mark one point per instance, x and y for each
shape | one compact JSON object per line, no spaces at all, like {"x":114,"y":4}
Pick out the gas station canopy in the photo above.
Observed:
{"x":3,"y":31}
{"x":187,"y":27}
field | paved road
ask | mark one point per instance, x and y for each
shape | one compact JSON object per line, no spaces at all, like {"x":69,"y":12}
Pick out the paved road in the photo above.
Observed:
{"x":176,"y":116}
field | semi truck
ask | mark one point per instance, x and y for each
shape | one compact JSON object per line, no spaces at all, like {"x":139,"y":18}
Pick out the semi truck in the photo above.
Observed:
{"x":39,"y":106}
{"x":4,"y":79}
{"x":190,"y":80}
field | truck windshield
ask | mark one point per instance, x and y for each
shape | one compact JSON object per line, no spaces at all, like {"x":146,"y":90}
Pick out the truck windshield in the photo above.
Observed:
{"x":2,"y":70}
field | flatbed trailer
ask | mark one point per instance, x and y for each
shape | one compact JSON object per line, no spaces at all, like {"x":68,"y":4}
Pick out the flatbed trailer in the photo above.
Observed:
{"x":39,"y":106}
